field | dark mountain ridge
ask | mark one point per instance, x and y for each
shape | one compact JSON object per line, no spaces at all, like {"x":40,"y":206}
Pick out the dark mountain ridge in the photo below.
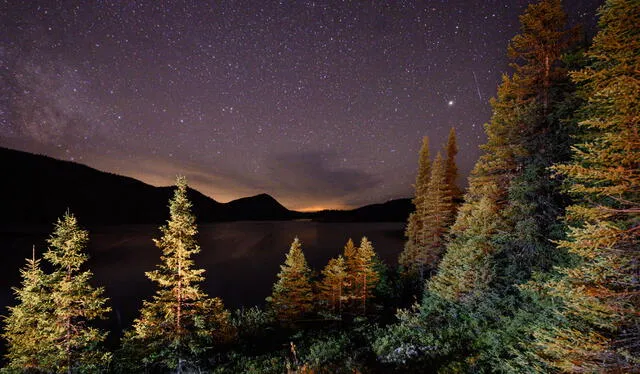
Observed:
{"x":38,"y":189}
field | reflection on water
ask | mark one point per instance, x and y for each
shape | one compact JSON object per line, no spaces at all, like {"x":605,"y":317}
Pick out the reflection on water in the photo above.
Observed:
{"x":241,"y":258}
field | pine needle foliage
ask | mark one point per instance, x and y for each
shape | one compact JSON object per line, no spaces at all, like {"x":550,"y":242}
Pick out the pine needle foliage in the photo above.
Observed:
{"x":600,"y":296}
{"x":333,"y":285}
{"x":412,"y":257}
{"x":77,"y":344}
{"x":451,"y":150}
{"x":26,"y":325}
{"x":365,"y":277}
{"x":292,"y":297}
{"x":180,"y":324}
{"x":523,"y":113}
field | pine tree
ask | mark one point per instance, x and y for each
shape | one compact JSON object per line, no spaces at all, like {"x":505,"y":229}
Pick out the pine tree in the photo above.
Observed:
{"x":537,"y":50}
{"x":26,"y":326}
{"x":181,"y":322}
{"x":292,"y":295}
{"x":332,"y":287}
{"x":365,"y":276}
{"x":451,"y":151}
{"x":439,"y":215}
{"x":75,"y":303}
{"x":520,"y":117}
{"x":600,"y":296}
{"x":350,"y":254}
{"x":411,"y":258}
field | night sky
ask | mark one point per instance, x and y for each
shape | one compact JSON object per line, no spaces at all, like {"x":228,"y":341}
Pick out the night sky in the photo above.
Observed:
{"x":321,"y":104}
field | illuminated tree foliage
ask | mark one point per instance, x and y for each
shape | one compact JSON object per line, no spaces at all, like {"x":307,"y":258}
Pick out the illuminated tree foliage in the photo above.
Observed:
{"x":364,"y":275}
{"x":180,"y":323}
{"x":600,"y":296}
{"x":333,"y":285}
{"x":412,"y":257}
{"x":473,"y":316}
{"x":70,"y":343}
{"x":451,"y":150}
{"x":26,"y":325}
{"x":509,"y":200}
{"x":292,"y":295}
{"x":439,"y":211}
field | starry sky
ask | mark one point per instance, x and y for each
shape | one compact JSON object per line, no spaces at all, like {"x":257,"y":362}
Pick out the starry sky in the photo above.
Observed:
{"x":321,"y":104}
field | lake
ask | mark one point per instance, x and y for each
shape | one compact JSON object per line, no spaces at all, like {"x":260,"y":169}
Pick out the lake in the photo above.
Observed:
{"x":241,"y":258}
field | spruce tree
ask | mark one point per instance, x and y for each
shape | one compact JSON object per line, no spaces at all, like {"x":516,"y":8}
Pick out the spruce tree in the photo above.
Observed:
{"x":365,"y":276}
{"x":439,"y":209}
{"x":513,"y":160}
{"x":451,"y":150}
{"x":332,"y":288}
{"x":180,"y":323}
{"x":599,"y":297}
{"x":292,"y":295}
{"x":26,"y":327}
{"x":412,"y":259}
{"x":73,"y":345}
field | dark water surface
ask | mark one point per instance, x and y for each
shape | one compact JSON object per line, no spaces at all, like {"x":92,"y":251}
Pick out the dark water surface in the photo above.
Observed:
{"x":241,"y":258}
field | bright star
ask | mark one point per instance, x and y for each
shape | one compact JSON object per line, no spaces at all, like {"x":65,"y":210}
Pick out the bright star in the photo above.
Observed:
{"x":450,"y":103}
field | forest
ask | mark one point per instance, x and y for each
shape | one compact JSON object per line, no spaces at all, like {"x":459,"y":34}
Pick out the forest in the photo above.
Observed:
{"x":533,"y":268}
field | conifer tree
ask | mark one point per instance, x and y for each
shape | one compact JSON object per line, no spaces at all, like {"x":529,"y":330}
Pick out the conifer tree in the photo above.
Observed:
{"x":365,"y":276}
{"x":332,"y":287}
{"x":520,"y":117}
{"x":73,"y":345}
{"x":181,"y":322}
{"x":600,"y":296}
{"x":411,"y":258}
{"x":451,"y":151}
{"x":26,"y":326}
{"x":350,"y":254}
{"x":292,"y":295}
{"x":439,"y":215}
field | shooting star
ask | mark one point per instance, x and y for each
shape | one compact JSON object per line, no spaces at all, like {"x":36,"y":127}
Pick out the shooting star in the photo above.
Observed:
{"x":477,"y":86}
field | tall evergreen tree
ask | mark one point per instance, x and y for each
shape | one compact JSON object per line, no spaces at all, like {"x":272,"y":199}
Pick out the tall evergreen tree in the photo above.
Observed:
{"x":439,"y":209}
{"x":365,"y":276}
{"x":514,"y":160}
{"x":181,"y":322}
{"x":333,"y":285}
{"x":292,"y":295}
{"x":410,"y":258}
{"x":451,"y":150}
{"x":599,"y":297}
{"x":75,"y":345}
{"x":26,"y":326}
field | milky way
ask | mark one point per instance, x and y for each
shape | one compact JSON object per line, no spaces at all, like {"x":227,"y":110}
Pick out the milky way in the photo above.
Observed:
{"x":318,"y":103}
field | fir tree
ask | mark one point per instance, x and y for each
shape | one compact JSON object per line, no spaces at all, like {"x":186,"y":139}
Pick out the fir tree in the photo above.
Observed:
{"x":520,"y":117}
{"x":292,"y":295}
{"x":75,"y":345}
{"x":26,"y":327}
{"x":439,"y":215}
{"x":600,"y":296}
{"x":181,"y":322}
{"x":332,"y":287}
{"x":365,"y":276}
{"x":412,"y":259}
{"x":451,"y":151}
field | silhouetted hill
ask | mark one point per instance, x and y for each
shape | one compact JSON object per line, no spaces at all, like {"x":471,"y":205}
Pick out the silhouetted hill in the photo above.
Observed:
{"x":392,"y":211}
{"x":38,"y":189}
{"x":259,"y":207}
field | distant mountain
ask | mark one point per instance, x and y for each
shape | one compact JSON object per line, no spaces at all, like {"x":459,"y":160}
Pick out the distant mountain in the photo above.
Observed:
{"x":392,"y":211}
{"x":38,"y":189}
{"x":259,"y":207}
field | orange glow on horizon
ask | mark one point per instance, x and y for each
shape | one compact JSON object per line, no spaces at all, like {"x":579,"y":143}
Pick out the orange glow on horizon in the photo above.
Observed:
{"x":317,"y":208}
